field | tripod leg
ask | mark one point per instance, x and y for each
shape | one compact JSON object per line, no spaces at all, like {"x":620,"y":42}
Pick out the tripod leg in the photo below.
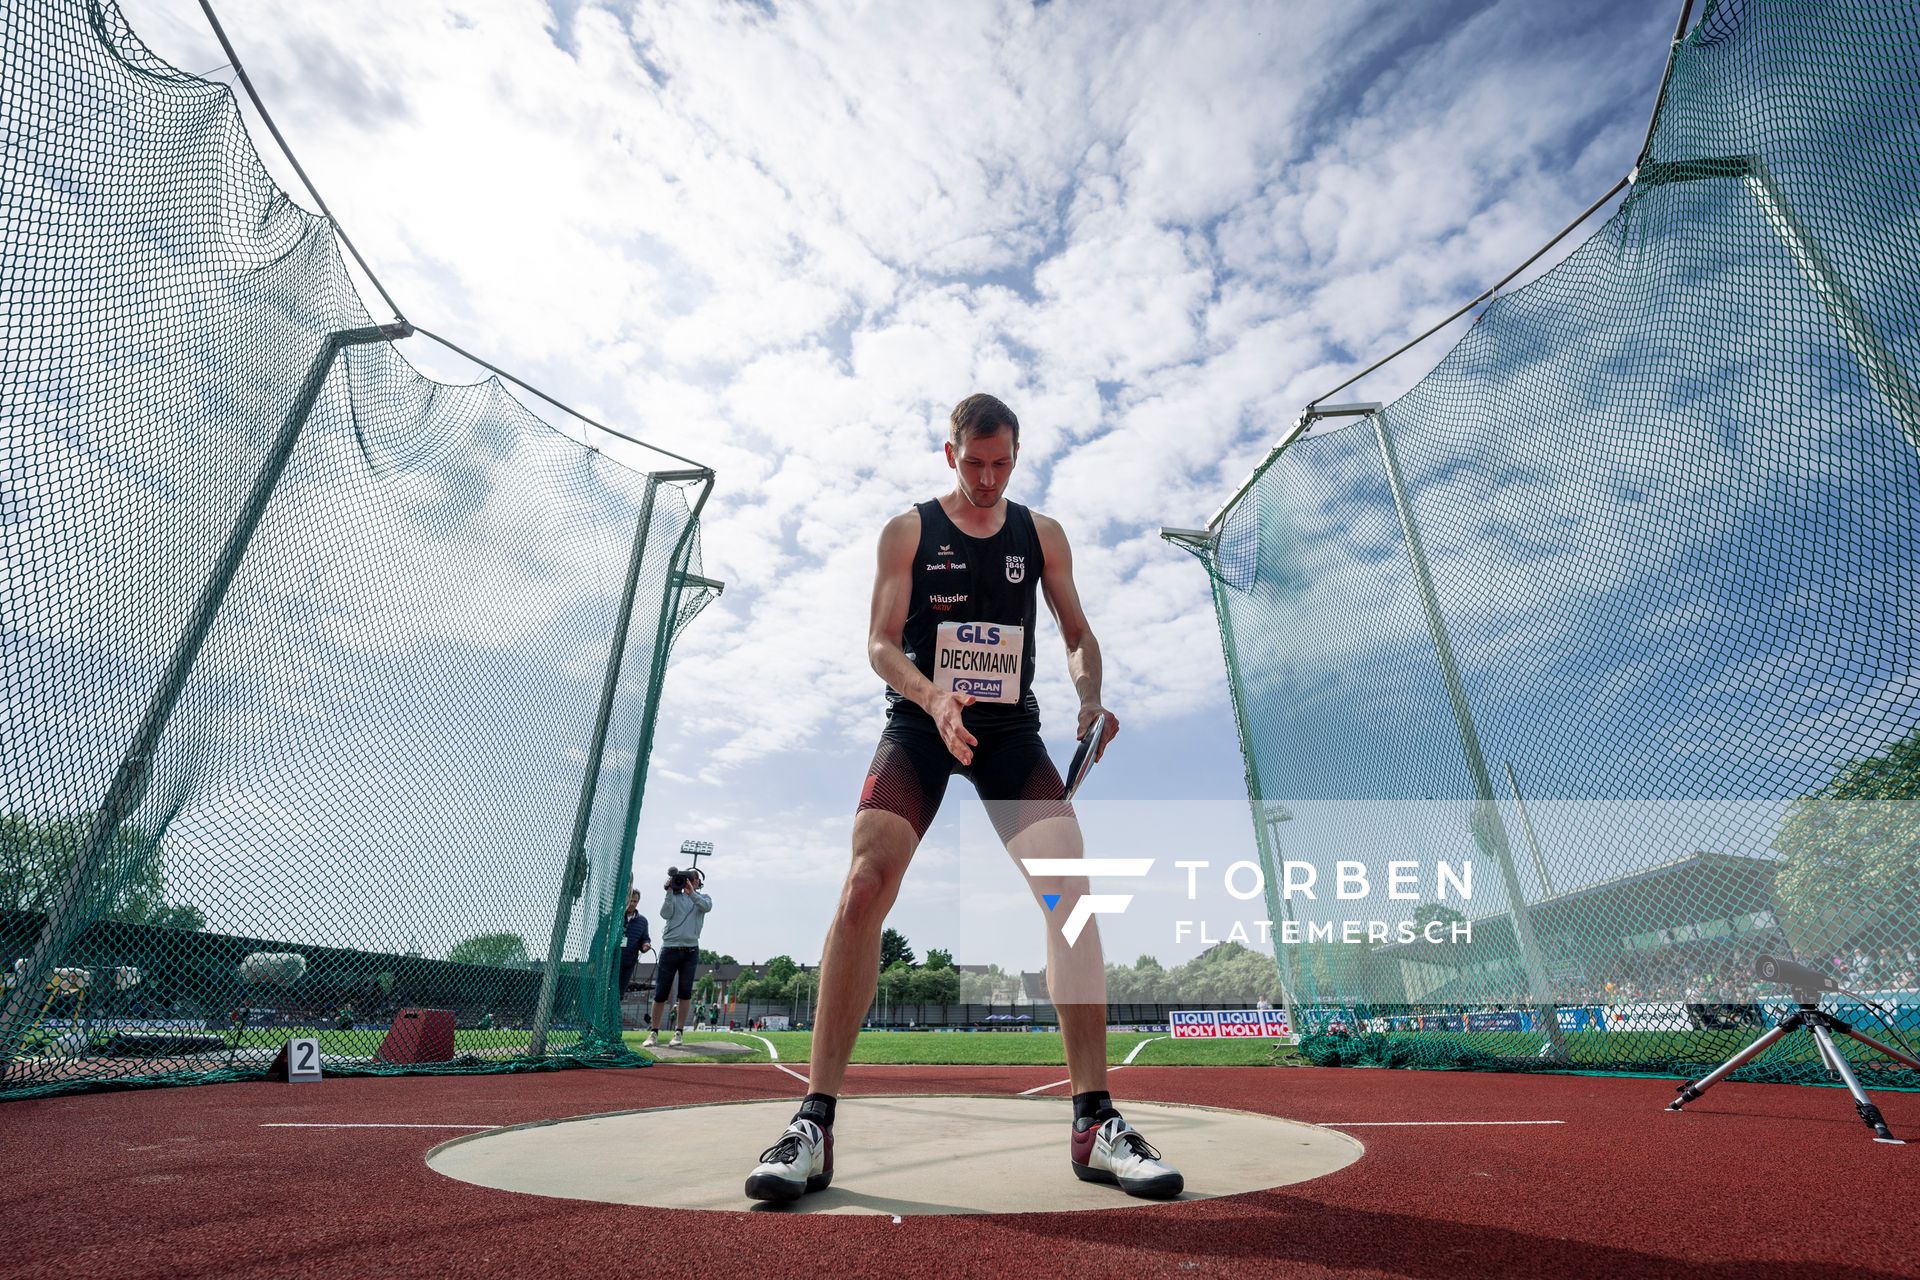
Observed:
{"x":1895,"y":1054}
{"x":1688,"y":1092}
{"x":1827,"y":1056}
{"x":1861,"y":1102}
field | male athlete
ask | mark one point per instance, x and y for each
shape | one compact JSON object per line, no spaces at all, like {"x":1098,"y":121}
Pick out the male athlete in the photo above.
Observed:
{"x":954,"y":607}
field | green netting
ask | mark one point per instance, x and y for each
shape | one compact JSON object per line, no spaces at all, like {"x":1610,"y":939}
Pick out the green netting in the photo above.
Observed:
{"x":1619,"y":603}
{"x":306,"y":656}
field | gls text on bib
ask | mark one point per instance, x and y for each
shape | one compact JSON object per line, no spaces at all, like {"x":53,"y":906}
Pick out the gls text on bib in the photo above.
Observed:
{"x":980,"y":658}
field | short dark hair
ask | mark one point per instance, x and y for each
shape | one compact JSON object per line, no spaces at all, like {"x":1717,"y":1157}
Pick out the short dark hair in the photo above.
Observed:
{"x":981,"y":415}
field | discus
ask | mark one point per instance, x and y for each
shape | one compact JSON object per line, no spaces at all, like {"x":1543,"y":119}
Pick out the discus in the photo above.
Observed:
{"x":1083,"y":757}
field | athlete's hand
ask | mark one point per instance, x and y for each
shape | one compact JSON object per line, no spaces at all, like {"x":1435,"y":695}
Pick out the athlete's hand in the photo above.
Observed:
{"x":1087,"y":713}
{"x":946,"y":708}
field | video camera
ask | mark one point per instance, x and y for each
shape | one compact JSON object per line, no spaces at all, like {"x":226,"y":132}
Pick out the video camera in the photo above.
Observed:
{"x":1807,"y":983}
{"x":678,"y":878}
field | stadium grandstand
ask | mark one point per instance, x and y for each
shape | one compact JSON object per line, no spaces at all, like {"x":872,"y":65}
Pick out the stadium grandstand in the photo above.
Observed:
{"x":1682,"y":930}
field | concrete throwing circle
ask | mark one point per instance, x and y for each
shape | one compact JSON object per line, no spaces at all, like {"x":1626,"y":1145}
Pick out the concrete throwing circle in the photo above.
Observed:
{"x":892,"y":1155}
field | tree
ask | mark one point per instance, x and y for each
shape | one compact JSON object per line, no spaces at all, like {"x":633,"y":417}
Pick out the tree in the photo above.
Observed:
{"x":714,"y":957}
{"x":1225,"y":974}
{"x":37,"y":855}
{"x":1431,"y":912}
{"x":756,"y":989}
{"x":496,"y":949}
{"x":934,"y":986}
{"x":894,"y":949}
{"x":938,"y":959}
{"x":990,"y":987}
{"x":780,"y":970}
{"x":1144,"y":983}
{"x":181,"y":915}
{"x":1850,"y":856}
{"x":896,"y":982}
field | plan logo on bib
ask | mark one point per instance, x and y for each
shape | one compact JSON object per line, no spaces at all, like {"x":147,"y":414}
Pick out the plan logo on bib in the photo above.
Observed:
{"x":1016,"y":568}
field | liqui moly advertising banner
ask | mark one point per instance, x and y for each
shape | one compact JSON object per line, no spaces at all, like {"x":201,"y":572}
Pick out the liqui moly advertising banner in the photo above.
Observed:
{"x":1228,"y":1024}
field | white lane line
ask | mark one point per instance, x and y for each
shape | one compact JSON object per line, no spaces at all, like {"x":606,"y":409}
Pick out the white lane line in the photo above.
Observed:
{"x":1042,"y":1088}
{"x":1407,"y":1124}
{"x":770,"y":1050}
{"x":774,"y":1054}
{"x":286,"y":1124}
{"x":1028,"y":1093}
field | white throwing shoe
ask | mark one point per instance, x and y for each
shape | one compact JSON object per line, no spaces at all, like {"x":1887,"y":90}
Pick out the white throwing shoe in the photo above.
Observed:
{"x":651,"y":1042}
{"x":800,"y":1162}
{"x":1114,"y":1152}
{"x":675,"y":1042}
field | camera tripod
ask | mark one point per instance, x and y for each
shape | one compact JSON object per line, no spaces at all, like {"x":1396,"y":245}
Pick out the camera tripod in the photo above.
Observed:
{"x":1822,"y":1025}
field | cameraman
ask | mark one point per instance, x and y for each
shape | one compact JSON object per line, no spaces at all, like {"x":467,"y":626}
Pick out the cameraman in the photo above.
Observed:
{"x":682,"y":913}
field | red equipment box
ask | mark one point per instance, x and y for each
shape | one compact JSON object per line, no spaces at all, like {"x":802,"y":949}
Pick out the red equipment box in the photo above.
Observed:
{"x":419,"y":1035}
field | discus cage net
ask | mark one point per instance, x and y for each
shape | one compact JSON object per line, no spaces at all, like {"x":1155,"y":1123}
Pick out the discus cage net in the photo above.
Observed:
{"x":329,"y":689}
{"x":1621,"y":600}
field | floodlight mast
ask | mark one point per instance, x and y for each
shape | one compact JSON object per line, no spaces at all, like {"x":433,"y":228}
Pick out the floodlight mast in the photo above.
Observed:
{"x":695,"y":850}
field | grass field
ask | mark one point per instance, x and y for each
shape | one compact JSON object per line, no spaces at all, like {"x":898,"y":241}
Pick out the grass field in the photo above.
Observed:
{"x":975,"y":1048}
{"x":256,"y":1040}
{"x":1591,"y":1050}
{"x":1001,"y":1048}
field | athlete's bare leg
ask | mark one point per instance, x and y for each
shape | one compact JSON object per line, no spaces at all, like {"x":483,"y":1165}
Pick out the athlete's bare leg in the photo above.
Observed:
{"x":883,"y":845}
{"x":1076,"y":974}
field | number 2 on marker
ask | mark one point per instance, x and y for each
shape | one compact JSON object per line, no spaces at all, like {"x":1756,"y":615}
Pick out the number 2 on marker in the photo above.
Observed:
{"x":303,"y":1060}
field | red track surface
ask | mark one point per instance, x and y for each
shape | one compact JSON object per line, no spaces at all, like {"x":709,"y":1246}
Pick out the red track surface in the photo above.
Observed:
{"x":1751,"y":1181}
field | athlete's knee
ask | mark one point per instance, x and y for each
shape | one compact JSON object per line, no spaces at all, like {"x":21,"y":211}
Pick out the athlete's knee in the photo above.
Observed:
{"x":1064,"y":890}
{"x":869,"y":891}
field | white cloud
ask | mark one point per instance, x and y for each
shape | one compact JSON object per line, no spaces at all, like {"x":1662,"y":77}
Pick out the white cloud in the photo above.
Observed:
{"x":785,"y":243}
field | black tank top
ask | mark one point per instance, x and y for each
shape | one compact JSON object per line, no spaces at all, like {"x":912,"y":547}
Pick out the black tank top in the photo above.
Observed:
{"x":961,"y":578}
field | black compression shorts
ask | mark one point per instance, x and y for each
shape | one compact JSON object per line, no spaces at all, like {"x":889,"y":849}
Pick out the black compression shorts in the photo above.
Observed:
{"x":674,"y":963}
{"x":1010,"y":770}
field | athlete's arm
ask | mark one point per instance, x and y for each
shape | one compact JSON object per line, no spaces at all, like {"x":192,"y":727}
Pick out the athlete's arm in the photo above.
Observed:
{"x":892,"y":587}
{"x":1083,"y":650}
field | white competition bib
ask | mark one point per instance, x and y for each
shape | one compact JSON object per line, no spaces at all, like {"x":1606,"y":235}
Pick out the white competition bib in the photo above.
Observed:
{"x":980,"y":658}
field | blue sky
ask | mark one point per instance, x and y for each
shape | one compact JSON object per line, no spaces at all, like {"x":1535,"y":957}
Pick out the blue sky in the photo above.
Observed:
{"x":786,"y":239}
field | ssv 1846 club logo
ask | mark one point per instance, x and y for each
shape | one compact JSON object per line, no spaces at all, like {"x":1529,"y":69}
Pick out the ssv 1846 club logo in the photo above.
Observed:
{"x":1088,"y":905}
{"x":1016,"y":568}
